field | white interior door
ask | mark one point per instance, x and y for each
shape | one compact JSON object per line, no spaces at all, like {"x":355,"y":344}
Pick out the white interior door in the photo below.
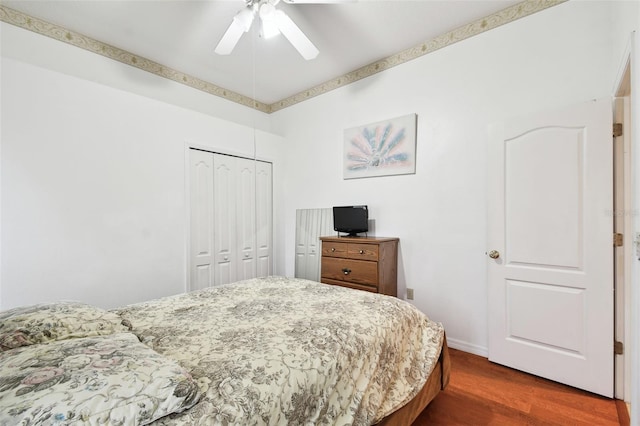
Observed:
{"x":550,"y":224}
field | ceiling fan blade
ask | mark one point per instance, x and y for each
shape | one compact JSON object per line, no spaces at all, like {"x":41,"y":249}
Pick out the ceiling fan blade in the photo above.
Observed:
{"x":241,"y":23}
{"x":229,"y":39}
{"x":295,"y":36}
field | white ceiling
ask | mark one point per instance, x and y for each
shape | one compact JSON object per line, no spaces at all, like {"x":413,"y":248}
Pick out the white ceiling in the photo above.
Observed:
{"x":182,"y":34}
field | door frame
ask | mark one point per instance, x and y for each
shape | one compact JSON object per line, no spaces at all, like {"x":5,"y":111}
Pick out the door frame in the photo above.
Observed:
{"x":623,"y":223}
{"x":628,"y":314}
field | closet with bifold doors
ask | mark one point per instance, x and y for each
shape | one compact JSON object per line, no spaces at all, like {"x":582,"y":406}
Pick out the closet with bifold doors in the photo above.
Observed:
{"x":230,"y":219}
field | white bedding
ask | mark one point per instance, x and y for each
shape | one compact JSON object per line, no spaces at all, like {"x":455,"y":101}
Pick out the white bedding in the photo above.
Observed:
{"x":289,"y":351}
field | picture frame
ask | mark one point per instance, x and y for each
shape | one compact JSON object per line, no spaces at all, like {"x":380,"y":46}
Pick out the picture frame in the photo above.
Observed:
{"x":383,"y":148}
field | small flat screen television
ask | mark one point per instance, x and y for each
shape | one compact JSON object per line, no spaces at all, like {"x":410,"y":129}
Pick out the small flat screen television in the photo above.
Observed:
{"x":351,"y":219}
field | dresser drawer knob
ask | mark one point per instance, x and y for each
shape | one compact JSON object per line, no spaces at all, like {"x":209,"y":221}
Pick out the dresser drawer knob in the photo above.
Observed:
{"x":361,"y":251}
{"x":346,"y":271}
{"x":333,"y":249}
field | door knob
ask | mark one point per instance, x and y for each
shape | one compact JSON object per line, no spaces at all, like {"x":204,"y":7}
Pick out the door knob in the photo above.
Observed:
{"x":494,"y":254}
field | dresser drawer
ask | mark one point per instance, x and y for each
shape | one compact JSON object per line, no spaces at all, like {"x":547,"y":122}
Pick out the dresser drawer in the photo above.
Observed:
{"x":355,"y":271}
{"x":363,"y":251}
{"x":348,"y":284}
{"x":333,"y":249}
{"x":350,"y":250}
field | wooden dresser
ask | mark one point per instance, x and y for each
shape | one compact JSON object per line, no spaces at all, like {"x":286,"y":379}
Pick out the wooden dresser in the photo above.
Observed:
{"x":362,"y":263}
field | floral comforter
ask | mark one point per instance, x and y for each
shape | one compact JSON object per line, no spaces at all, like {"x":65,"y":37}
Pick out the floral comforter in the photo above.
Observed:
{"x":281,"y":351}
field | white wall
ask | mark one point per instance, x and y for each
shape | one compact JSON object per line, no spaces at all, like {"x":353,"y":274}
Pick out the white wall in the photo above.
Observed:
{"x":93,"y":188}
{"x":29,"y":47}
{"x":556,"y":57}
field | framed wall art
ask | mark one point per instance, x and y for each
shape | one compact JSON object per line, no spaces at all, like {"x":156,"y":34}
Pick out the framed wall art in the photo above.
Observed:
{"x":381,"y":149}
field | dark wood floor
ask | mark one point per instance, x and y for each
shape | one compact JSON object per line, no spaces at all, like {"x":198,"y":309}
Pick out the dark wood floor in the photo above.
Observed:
{"x":483,"y":393}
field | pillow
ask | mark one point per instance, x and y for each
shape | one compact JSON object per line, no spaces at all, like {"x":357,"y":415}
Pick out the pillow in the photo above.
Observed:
{"x":55,"y":321}
{"x":100,"y":380}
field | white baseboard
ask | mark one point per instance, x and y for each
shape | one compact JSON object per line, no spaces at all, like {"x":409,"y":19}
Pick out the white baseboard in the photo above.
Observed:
{"x":468,"y":347}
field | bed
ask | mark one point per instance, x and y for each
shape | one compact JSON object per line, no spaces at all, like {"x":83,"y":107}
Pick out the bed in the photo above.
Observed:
{"x":267,"y":351}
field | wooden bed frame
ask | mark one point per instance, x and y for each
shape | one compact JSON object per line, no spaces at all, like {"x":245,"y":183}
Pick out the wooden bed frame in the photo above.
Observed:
{"x":437,"y":381}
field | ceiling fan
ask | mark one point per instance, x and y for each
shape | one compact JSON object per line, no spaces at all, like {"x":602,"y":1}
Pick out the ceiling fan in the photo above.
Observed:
{"x":273,"y":22}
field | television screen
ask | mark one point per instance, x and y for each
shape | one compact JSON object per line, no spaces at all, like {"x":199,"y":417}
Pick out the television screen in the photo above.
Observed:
{"x":351,"y":219}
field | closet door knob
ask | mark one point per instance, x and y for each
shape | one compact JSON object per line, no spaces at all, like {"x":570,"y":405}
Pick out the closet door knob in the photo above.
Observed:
{"x":494,"y":254}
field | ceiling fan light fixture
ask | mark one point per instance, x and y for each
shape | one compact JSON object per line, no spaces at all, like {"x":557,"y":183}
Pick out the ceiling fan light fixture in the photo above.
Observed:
{"x":244,"y":18}
{"x":269,"y":27}
{"x":267,"y":11}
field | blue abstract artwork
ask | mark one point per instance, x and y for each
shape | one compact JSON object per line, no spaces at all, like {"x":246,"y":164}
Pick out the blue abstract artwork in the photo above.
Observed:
{"x":381,"y":149}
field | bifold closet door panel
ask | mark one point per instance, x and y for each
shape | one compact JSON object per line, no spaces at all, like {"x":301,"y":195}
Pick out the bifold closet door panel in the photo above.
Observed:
{"x":264,"y":218}
{"x":225,"y":218}
{"x":201,"y":262}
{"x":245,"y":192}
{"x":302,"y":226}
{"x":311,"y":224}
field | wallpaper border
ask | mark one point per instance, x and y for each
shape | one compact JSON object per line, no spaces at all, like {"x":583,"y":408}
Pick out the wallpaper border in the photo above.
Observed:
{"x":22,"y":20}
{"x":505,"y":16}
